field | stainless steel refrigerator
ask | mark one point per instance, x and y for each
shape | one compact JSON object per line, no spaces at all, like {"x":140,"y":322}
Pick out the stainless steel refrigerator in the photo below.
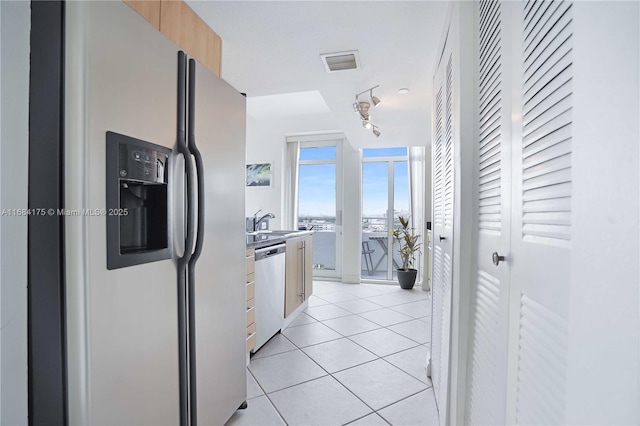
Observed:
{"x":157,"y":340}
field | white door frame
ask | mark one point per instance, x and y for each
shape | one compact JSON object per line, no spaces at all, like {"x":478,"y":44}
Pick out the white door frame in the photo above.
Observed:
{"x":458,"y":32}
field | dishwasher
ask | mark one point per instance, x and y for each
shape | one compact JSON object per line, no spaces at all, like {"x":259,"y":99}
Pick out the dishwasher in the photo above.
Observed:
{"x":270,"y":267}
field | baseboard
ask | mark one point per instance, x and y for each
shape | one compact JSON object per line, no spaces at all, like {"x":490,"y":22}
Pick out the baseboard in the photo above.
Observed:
{"x":351,"y":279}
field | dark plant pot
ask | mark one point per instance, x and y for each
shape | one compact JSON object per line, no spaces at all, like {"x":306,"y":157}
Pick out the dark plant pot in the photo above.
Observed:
{"x":407,"y":279}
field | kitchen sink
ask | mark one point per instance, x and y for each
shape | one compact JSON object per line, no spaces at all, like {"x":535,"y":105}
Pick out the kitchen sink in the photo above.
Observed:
{"x":279,"y":232}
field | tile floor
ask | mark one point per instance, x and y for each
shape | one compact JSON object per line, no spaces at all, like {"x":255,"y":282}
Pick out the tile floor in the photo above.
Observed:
{"x":355,"y":356}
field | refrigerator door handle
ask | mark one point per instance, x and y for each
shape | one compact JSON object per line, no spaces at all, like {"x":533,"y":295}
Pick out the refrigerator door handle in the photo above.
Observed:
{"x":183,"y":149}
{"x":199,"y":169}
{"x":191,"y":277}
{"x":183,"y":331}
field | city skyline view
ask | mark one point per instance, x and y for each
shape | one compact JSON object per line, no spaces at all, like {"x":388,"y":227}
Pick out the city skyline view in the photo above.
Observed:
{"x":317,"y":183}
{"x":317,"y":200}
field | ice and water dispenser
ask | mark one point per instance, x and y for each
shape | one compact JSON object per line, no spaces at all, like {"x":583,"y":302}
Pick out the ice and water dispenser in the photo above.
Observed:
{"x":137,"y":201}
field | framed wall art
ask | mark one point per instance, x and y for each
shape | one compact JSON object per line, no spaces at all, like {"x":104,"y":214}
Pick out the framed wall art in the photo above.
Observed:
{"x":259,"y":175}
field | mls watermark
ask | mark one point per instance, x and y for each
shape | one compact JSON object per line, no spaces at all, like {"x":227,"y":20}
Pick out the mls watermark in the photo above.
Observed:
{"x":65,"y":212}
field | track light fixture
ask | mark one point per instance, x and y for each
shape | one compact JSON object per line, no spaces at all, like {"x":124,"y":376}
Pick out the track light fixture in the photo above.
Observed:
{"x":362,"y":108}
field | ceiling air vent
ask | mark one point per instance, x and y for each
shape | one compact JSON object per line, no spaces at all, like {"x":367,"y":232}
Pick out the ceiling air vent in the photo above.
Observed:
{"x":341,"y":61}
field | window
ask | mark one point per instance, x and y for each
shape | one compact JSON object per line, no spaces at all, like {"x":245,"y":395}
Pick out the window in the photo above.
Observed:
{"x":318,"y":203}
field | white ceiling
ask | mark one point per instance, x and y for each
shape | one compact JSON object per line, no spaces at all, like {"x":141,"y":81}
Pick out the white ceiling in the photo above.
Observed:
{"x":296,"y":104}
{"x":273,"y":48}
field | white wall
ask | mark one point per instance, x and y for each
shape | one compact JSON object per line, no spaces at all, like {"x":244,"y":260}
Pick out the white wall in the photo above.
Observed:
{"x":604,"y":323}
{"x":351,"y":214}
{"x":14,"y":125}
{"x":266,"y":144}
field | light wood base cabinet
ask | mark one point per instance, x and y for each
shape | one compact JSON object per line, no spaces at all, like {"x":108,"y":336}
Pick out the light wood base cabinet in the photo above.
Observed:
{"x":298,"y":273}
{"x":250,"y":261}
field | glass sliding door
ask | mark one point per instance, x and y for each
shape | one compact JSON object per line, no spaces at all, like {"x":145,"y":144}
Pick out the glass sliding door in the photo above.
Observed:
{"x":375,"y":223}
{"x":400,"y":205}
{"x":385,"y":196}
{"x":318,"y":204}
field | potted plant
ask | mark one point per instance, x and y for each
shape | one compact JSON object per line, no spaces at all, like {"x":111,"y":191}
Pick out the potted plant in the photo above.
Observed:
{"x":409,"y":246}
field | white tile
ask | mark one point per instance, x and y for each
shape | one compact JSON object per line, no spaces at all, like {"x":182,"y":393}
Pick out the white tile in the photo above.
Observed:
{"x":371,"y":420}
{"x":358,"y":306}
{"x":327,"y":287}
{"x":339,"y":354}
{"x":339,"y":296}
{"x":386,"y":300}
{"x":316,"y":301}
{"x":323,"y":282}
{"x":385,"y":288}
{"x":283,"y":370}
{"x":259,"y":411}
{"x":253,"y":389}
{"x":310,"y":334}
{"x":415,"y":330}
{"x":277,"y":345}
{"x":417,"y":309}
{"x":365,"y":290}
{"x":383,"y":342}
{"x":385,"y":317}
{"x":411,"y":295}
{"x":302,"y":319}
{"x":417,"y":410}
{"x":379,"y":383}
{"x":350,"y":325}
{"x":318,"y":402}
{"x":326,"y":312}
{"x":412,"y":361}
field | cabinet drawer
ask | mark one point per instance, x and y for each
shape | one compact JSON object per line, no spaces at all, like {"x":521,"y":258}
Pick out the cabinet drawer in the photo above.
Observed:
{"x":251,"y":290}
{"x":251,"y":342}
{"x":251,"y":315}
{"x":251,"y":303}
{"x":250,"y":265}
{"x":251,"y":278}
{"x":251,"y":329}
{"x":250,"y":252}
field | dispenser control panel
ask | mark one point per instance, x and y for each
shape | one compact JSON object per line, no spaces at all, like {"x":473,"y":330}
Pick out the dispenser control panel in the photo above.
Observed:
{"x":142,"y":164}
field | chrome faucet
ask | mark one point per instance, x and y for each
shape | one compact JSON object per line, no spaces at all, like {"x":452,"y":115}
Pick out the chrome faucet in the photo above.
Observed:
{"x":257,"y":221}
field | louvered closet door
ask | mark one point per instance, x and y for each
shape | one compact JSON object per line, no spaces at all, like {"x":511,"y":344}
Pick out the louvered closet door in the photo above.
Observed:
{"x":489,"y":327}
{"x":541,"y":232}
{"x":443,"y":187}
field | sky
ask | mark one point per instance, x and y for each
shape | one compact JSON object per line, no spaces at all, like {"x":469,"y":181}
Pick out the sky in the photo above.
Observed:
{"x":317,"y":183}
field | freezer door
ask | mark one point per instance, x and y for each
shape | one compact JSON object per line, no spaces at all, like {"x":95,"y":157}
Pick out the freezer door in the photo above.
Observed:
{"x":220,"y":124}
{"x":122,"y":324}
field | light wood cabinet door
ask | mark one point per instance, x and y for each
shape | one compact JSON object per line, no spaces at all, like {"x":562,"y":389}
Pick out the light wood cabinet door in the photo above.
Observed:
{"x":293,"y":283}
{"x":148,"y":9}
{"x":181,"y":25}
{"x":298,"y":272}
{"x":308,"y":266}
{"x":176,"y":20}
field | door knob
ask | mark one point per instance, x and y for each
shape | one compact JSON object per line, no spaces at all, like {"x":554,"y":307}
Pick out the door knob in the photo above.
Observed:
{"x":497,"y":258}
{"x":442,"y":238}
